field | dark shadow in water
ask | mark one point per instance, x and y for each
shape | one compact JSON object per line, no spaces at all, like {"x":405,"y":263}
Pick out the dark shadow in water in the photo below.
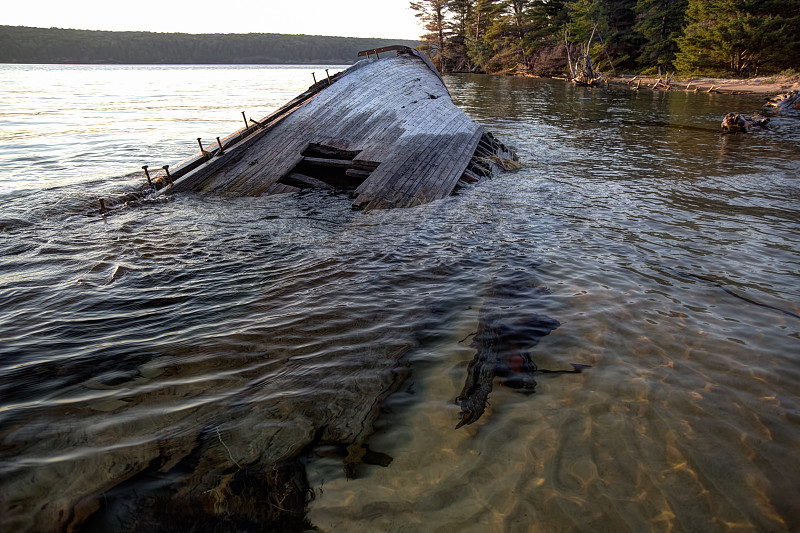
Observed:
{"x":246,"y":499}
{"x":506,"y":327}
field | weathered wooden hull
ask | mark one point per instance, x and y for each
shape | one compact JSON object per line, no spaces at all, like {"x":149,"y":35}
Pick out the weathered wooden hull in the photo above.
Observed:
{"x":393,"y":137}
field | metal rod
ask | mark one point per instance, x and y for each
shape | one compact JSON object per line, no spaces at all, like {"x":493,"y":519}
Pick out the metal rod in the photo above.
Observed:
{"x":166,"y":169}
{"x":221,"y":151}
{"x":315,"y":78}
{"x":246,"y":125}
{"x":146,"y":173}
{"x":202,"y":150}
{"x":328,"y":75}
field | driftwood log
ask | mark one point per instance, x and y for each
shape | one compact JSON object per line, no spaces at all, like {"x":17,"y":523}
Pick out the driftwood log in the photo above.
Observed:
{"x":738,"y":123}
{"x":782,"y":103}
{"x":785,"y":101}
{"x":582,"y":72}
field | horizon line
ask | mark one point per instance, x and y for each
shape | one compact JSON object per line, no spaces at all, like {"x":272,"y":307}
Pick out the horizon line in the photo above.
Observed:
{"x":205,"y":33}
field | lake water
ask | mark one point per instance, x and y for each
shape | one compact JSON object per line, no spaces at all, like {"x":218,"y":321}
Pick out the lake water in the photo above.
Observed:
{"x":161,"y":366}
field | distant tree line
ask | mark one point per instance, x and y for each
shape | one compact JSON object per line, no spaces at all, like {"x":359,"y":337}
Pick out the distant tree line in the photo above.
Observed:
{"x":730,"y":37}
{"x":39,"y":45}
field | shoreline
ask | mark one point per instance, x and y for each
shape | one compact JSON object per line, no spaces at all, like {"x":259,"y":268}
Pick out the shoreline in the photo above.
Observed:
{"x":764,"y":85}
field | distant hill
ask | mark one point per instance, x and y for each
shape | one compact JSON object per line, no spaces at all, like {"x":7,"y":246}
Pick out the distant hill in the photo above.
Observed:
{"x":20,"y":44}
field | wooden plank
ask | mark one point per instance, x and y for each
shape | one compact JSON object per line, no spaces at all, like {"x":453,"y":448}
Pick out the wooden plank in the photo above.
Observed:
{"x":416,"y":163}
{"x":280,"y":188}
{"x":297,"y":179}
{"x":324,"y":162}
{"x":235,"y":142}
{"x":355,"y":173}
{"x":368,"y":166}
{"x":446,"y":182}
{"x":327,"y":151}
{"x":306,"y":122}
{"x":393,"y":175}
{"x":409,"y":142}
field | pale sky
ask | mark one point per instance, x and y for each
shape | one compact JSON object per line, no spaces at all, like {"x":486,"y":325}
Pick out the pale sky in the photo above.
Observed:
{"x":391,"y":19}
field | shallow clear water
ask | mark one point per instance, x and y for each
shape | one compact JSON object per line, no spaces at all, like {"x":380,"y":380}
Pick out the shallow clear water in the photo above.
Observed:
{"x":193,"y":337}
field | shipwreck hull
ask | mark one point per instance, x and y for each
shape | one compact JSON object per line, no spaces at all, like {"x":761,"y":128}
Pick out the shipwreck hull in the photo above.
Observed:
{"x":385,"y":129}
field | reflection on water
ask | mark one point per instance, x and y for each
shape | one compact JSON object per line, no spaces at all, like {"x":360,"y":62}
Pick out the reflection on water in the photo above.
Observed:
{"x":171,"y":361}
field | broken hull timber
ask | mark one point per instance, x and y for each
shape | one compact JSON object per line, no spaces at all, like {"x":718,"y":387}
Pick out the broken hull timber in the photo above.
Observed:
{"x":385,"y":129}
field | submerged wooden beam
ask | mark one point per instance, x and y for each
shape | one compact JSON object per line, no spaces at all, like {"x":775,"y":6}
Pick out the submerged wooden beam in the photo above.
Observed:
{"x":295,"y":178}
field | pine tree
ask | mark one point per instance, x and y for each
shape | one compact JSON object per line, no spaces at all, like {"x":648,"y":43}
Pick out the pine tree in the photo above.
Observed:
{"x":459,"y":26}
{"x":482,"y":49}
{"x":544,"y":42}
{"x":432,"y":15}
{"x":622,"y":43}
{"x":660,"y":22}
{"x":742,"y":37}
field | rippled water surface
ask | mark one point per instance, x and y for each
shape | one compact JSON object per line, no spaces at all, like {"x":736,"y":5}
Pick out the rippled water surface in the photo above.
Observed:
{"x":180,"y":362}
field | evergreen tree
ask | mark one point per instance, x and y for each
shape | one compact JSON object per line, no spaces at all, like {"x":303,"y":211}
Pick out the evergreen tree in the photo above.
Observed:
{"x":736,"y":36}
{"x":660,"y":23}
{"x":482,"y":49}
{"x":432,"y":15}
{"x":544,"y":42}
{"x":622,"y":43}
{"x":615,"y":43}
{"x":739,"y":37}
{"x":585,"y":18}
{"x":508,"y":33}
{"x":459,"y":25}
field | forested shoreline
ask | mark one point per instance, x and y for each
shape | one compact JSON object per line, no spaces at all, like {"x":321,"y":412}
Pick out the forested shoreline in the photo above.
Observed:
{"x":20,"y":44}
{"x":739,"y":38}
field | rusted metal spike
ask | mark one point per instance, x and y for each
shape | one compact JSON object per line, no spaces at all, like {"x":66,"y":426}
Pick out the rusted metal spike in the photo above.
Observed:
{"x":147,"y":174}
{"x":203,"y":150}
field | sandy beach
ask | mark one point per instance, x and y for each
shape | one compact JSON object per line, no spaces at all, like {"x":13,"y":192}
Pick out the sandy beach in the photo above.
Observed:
{"x":766,"y":85}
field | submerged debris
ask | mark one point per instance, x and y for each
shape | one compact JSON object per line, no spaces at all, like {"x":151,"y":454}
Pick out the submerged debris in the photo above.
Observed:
{"x":777,"y":105}
{"x":505,"y":332}
{"x":737,"y":123}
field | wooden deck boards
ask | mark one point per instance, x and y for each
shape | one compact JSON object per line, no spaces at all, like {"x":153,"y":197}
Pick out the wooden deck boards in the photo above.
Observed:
{"x":395,"y":111}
